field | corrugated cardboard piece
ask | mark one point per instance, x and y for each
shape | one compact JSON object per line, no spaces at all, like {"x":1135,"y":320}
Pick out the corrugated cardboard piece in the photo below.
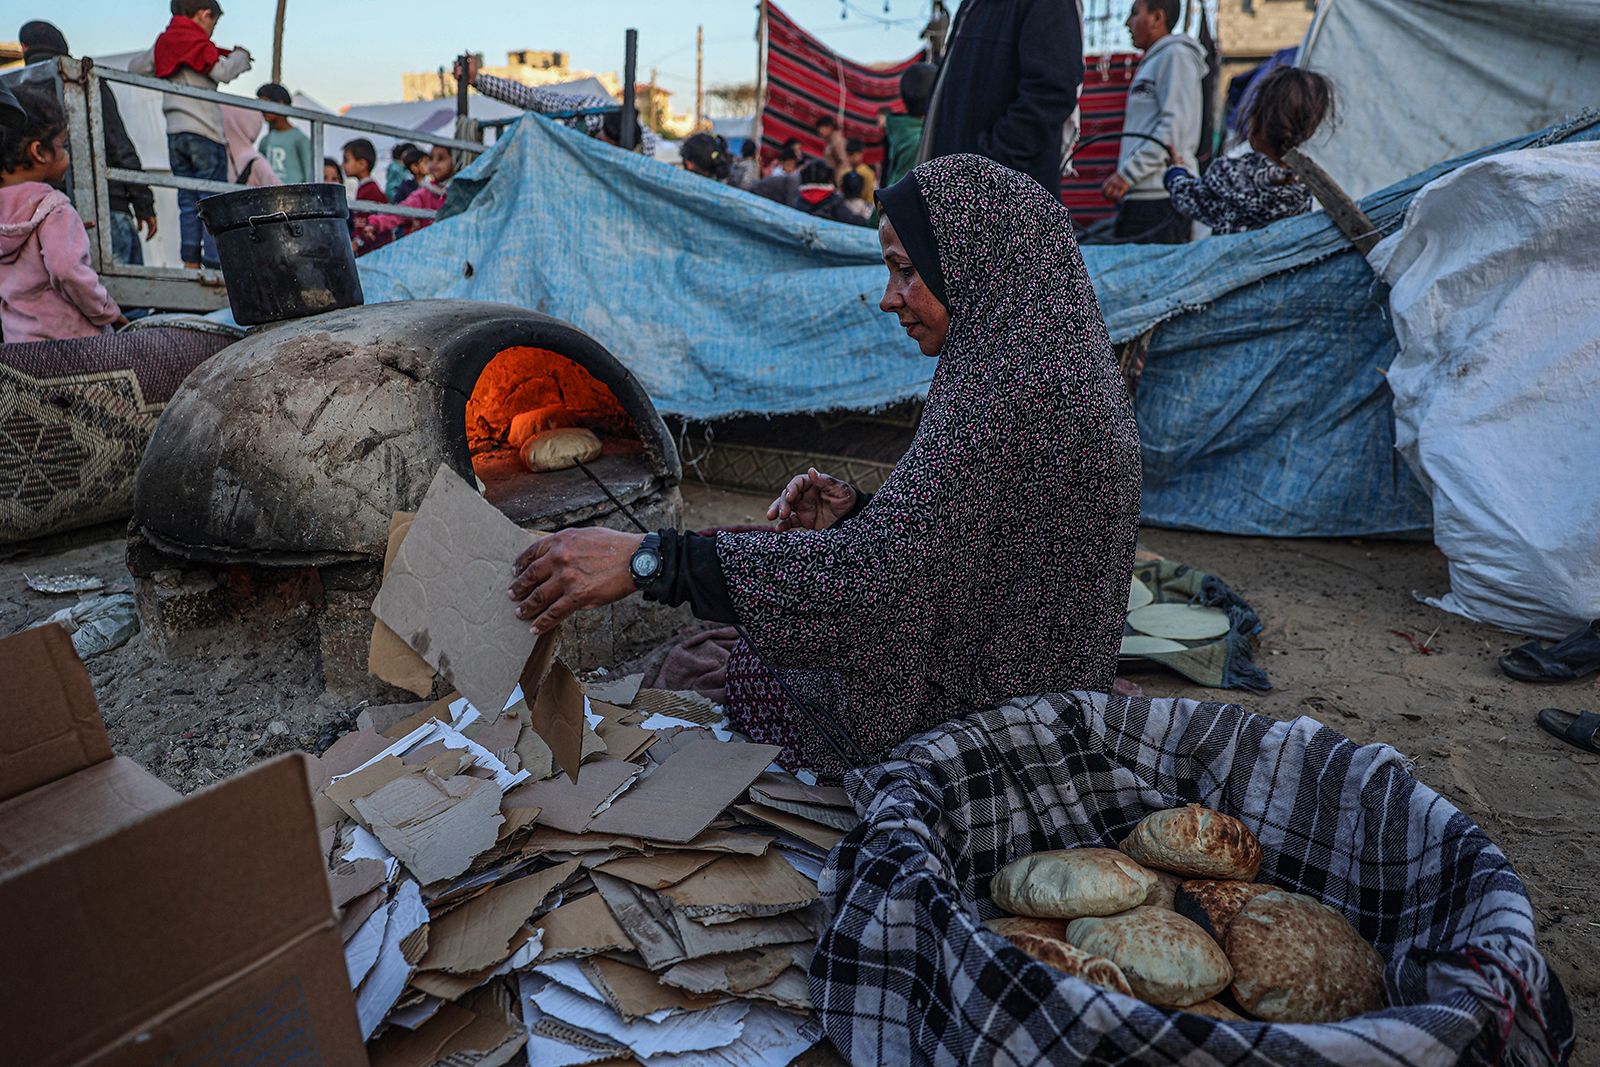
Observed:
{"x":215,"y":907}
{"x":388,"y":657}
{"x":686,"y":792}
{"x":445,"y":595}
{"x":58,"y":730}
{"x":196,"y":928}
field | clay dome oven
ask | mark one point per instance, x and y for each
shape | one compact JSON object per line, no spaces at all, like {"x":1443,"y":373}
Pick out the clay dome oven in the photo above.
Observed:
{"x":265,"y":494}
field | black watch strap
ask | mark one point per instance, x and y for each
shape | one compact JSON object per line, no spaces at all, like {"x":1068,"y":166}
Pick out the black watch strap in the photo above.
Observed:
{"x":645,"y":563}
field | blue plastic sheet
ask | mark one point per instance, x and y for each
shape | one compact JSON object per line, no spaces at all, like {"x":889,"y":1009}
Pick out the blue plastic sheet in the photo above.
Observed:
{"x":1262,"y":409}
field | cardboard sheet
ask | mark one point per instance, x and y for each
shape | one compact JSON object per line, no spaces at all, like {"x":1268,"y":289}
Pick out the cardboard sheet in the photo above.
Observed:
{"x":61,"y":730}
{"x":479,"y":933}
{"x":386,"y":980}
{"x":842,"y":819}
{"x":823,"y":837}
{"x":389,"y":658}
{"x":771,"y":1038}
{"x":733,"y":972}
{"x":678,"y":703}
{"x":445,"y":595}
{"x":684,"y":1032}
{"x":658,"y":871}
{"x":552,"y":1043}
{"x":619,"y":692}
{"x":583,"y":927}
{"x":633,"y":992}
{"x":557,"y":717}
{"x":788,"y":787}
{"x":682,"y":796}
{"x":485,"y":1029}
{"x":570,"y":805}
{"x":740,"y":887}
{"x":433,"y":825}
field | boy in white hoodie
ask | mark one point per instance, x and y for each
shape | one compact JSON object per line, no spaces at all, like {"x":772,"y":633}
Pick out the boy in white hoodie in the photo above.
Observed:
{"x":197,"y":145}
{"x":1164,"y":103}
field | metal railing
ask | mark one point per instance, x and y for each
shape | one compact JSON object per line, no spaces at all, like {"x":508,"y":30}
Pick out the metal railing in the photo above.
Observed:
{"x":180,"y":288}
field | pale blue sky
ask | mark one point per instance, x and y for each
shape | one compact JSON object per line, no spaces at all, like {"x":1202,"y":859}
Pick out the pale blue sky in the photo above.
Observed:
{"x":353,"y":51}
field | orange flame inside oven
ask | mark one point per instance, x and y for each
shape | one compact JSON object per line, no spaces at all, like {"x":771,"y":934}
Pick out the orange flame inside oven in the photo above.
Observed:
{"x":526,"y":391}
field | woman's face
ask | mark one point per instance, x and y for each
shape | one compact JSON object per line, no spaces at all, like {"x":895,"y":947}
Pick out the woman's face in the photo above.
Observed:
{"x":908,"y":298}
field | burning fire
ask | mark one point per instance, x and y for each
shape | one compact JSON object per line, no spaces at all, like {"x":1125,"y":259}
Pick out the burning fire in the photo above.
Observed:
{"x":524,"y":391}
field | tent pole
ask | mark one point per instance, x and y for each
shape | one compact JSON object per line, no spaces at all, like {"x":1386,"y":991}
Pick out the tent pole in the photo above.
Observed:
{"x":761,"y":75}
{"x":630,"y":110}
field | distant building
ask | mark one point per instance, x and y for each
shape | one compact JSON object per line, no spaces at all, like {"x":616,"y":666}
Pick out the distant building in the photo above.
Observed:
{"x":1250,"y":31}
{"x":532,"y":66}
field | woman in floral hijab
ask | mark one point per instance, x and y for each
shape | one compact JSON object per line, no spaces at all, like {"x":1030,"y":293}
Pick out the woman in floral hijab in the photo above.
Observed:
{"x":993,"y":562}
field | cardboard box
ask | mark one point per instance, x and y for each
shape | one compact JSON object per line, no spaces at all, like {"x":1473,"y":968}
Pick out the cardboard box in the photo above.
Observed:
{"x":144,"y":927}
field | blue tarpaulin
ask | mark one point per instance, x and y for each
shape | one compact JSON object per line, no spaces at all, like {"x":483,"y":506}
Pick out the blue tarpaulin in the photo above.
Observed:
{"x":1262,"y":408}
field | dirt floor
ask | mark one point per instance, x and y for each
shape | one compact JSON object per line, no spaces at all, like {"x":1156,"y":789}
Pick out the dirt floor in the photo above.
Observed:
{"x":1346,"y":641}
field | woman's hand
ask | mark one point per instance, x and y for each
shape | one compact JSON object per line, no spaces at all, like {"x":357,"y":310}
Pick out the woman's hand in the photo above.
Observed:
{"x":812,"y":501}
{"x":571,"y":570}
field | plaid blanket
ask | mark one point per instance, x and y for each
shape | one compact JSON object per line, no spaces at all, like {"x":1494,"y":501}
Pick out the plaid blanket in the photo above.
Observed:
{"x":907,"y":973}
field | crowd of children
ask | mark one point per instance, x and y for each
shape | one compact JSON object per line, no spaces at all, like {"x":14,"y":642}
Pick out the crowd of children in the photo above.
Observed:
{"x":49,"y":290}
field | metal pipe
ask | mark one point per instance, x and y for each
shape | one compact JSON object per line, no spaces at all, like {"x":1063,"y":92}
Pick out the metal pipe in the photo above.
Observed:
{"x":203,"y":185}
{"x":630,"y":113}
{"x":253,"y":104}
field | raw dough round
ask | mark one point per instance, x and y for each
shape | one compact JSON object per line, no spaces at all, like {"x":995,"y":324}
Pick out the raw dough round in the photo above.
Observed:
{"x":1139,"y":595}
{"x":1140,"y":645}
{"x":1180,"y":622}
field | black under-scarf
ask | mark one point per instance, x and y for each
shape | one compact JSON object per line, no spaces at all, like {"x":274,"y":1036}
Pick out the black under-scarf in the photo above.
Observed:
{"x":906,"y":209}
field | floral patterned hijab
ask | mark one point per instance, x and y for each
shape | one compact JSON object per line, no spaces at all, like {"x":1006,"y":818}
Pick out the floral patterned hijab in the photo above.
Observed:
{"x":994,"y":561}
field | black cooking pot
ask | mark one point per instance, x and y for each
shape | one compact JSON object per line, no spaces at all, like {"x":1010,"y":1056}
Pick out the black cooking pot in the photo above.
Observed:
{"x":285,"y":250}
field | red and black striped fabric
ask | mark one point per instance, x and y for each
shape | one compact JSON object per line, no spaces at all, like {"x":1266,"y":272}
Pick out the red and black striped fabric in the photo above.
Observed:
{"x":806,"y":80}
{"x":1101,"y":107}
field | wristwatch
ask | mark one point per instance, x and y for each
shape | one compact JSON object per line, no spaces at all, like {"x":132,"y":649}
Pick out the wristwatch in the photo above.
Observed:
{"x":645,"y":564}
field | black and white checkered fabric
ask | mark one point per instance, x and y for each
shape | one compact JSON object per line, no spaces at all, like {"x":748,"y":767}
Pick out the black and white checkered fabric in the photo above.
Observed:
{"x":907,"y":973}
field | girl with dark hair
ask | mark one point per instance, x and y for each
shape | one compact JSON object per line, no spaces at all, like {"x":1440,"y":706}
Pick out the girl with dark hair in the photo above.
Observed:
{"x":706,"y":154}
{"x":994,"y":560}
{"x":1246,"y":192}
{"x":48,"y":290}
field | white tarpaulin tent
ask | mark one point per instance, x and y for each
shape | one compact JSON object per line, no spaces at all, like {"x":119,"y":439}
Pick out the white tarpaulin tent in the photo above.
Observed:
{"x":1497,"y":384}
{"x":1422,"y":81}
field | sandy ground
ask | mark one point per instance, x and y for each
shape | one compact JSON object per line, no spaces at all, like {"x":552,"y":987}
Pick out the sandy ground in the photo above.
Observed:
{"x":1331,"y":610}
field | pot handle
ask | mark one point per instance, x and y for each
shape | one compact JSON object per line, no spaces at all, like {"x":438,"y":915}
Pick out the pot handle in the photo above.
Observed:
{"x":257,"y":220}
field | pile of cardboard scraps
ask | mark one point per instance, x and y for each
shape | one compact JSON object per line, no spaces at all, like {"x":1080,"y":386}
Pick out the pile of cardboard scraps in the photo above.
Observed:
{"x":659,"y":906}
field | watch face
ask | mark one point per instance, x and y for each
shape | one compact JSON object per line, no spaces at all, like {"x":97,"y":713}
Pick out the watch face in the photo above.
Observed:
{"x":645,"y":564}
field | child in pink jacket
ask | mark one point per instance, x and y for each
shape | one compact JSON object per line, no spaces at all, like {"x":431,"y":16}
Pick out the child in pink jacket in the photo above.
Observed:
{"x":48,"y":291}
{"x":429,"y":195}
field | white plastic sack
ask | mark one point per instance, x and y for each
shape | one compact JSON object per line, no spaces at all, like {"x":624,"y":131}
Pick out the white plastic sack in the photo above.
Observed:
{"x":1495,"y":291}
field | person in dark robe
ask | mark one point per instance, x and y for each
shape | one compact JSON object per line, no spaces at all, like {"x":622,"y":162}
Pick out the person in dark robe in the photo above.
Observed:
{"x":1007,"y":85}
{"x":995,"y":559}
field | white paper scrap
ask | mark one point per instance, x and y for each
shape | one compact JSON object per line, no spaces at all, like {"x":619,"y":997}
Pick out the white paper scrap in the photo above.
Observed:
{"x":772,"y":1038}
{"x":364,"y":845}
{"x":389,"y":975}
{"x":547,"y":1051}
{"x":689,"y":1031}
{"x":451,"y":737}
{"x":361,"y":951}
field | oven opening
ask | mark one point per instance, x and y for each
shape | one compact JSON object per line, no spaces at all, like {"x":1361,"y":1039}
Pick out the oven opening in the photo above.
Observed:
{"x":526,"y":392}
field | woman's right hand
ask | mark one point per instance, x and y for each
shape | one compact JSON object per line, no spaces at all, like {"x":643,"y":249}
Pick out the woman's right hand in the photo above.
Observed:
{"x":812,"y":501}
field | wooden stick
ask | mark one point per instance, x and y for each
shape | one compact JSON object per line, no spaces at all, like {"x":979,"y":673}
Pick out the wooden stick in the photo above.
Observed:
{"x":1350,"y":219}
